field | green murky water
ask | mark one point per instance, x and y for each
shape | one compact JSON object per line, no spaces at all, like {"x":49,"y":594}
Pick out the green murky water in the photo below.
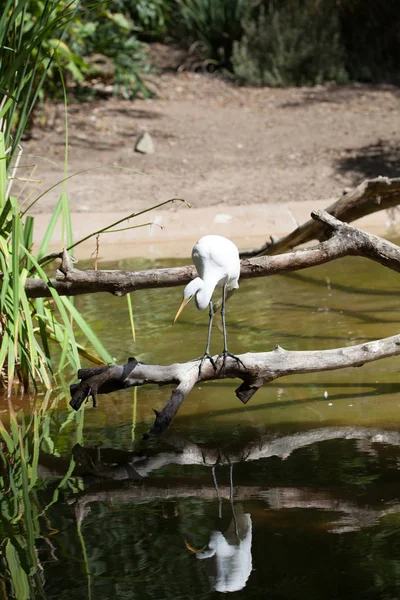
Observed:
{"x":293,"y":496}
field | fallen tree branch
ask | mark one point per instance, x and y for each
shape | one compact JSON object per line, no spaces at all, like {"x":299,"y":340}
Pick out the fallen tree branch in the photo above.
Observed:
{"x":256,"y":370}
{"x":369,"y":197}
{"x":345,"y":241}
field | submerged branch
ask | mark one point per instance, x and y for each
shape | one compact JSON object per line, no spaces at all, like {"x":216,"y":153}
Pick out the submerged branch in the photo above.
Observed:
{"x":345,"y":241}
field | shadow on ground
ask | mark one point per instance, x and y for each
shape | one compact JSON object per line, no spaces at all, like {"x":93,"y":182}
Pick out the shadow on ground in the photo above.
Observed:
{"x":338,"y":94}
{"x":367,"y":162}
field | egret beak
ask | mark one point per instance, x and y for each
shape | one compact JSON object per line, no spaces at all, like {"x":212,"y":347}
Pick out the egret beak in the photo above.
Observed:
{"x":180,"y":309}
{"x":193,"y":550}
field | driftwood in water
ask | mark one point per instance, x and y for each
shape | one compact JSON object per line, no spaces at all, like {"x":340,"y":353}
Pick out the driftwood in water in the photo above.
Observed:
{"x":255,"y":370}
{"x":345,"y":240}
{"x":371,"y":196}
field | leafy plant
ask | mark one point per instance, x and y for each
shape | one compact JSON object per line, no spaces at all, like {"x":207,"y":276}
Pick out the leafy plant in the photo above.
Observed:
{"x":37,"y":337}
{"x":106,"y":31}
{"x":26,"y":326}
{"x":150,"y":17}
{"x":23,"y":520}
{"x":291,"y":43}
{"x":112,"y":35}
{"x":30,"y":32}
{"x":217,"y":24}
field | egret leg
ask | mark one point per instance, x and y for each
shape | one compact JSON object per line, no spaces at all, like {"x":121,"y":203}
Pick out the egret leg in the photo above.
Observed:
{"x":207,"y":354}
{"x":218,"y":494}
{"x":231,"y":500}
{"x":225,"y":352}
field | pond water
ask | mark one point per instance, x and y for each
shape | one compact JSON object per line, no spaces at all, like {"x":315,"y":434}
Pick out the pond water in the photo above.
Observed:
{"x":293,"y":496}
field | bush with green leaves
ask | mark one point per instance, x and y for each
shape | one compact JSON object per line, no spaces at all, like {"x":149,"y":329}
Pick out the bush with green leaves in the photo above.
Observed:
{"x":24,"y":522}
{"x":26,"y":327}
{"x":291,"y":43}
{"x":216,"y":24}
{"x":102,"y":29}
{"x":37,"y":336}
{"x":150,"y":17}
{"x":76,"y":29}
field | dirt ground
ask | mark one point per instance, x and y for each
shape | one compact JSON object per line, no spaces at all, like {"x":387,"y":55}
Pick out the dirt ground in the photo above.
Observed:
{"x":218,"y":144}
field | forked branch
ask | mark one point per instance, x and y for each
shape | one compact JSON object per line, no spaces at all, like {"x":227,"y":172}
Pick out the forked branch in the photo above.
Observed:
{"x":370,"y":196}
{"x":256,"y":370}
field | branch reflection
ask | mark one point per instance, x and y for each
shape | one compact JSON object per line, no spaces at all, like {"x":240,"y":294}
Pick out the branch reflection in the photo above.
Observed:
{"x":129,"y":478}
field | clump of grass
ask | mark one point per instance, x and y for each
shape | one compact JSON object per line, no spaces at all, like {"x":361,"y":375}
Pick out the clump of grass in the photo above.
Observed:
{"x":37,"y":336}
{"x":217,"y":24}
{"x":23,"y":519}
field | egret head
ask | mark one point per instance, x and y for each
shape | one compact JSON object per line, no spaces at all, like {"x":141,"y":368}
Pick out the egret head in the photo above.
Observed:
{"x":190,"y":290}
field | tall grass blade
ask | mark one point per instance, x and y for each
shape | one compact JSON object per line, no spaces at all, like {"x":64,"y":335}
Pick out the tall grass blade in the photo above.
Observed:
{"x":86,"y":330}
{"x":131,"y":317}
{"x":19,"y":578}
{"x":50,"y":230}
{"x":60,"y":305}
{"x":3,"y":171}
{"x":7,"y":438}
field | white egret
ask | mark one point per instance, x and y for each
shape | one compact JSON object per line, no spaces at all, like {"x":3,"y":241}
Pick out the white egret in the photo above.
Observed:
{"x":217,"y":262}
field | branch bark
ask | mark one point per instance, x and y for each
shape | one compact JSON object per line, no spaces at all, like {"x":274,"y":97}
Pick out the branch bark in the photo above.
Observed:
{"x":255,"y":370}
{"x":371,"y":196}
{"x":346,"y":240}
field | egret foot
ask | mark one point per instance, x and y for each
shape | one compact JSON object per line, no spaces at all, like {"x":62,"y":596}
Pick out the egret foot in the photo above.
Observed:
{"x":224,"y":355}
{"x":207,"y":356}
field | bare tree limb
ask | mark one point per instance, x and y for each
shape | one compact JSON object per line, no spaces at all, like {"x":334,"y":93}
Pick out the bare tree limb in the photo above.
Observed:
{"x":371,"y":196}
{"x":255,"y":370}
{"x":345,"y":241}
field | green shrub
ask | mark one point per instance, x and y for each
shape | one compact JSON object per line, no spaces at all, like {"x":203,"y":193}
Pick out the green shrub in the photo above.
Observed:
{"x":30,"y":31}
{"x":291,"y":43}
{"x":102,"y":30}
{"x":77,"y":29}
{"x":217,"y":24}
{"x":150,"y":17}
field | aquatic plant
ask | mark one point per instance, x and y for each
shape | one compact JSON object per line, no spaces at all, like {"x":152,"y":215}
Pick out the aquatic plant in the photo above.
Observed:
{"x":23,"y":519}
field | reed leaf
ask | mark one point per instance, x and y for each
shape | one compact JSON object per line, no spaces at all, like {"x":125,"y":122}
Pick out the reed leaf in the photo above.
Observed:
{"x":131,"y":317}
{"x":19,"y":578}
{"x":7,"y":438}
{"x":49,"y":230}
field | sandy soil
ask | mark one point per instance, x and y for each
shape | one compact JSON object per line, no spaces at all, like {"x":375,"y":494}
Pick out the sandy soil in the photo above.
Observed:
{"x":219,"y":145}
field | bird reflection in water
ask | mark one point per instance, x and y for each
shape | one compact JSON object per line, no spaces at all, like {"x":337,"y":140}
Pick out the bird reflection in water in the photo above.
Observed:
{"x":230,"y":552}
